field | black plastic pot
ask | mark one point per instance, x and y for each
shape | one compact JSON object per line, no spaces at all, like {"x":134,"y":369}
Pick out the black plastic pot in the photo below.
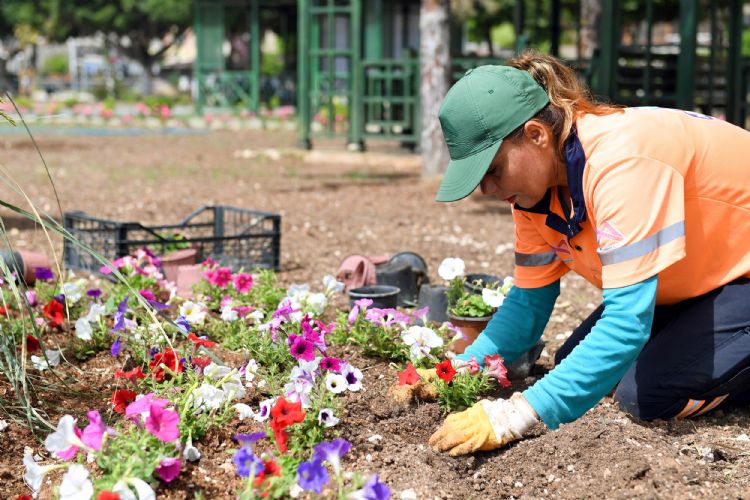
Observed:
{"x":487,"y":279}
{"x":436,"y":298}
{"x":399,"y":274}
{"x":521,"y":366}
{"x":382,"y":296}
{"x":417,"y":263}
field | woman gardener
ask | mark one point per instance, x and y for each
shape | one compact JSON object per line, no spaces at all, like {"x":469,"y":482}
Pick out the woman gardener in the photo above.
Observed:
{"x":650,"y":205}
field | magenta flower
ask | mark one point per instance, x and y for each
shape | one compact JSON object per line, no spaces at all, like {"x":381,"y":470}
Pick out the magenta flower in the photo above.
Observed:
{"x":226,"y":300}
{"x":143,"y":405}
{"x":301,"y":348}
{"x":363,"y":303}
{"x":163,"y":423}
{"x":168,"y":469}
{"x":71,"y":452}
{"x":31,"y":297}
{"x":221,"y":276}
{"x":94,"y":432}
{"x":331,"y":364}
{"x":243,"y":282}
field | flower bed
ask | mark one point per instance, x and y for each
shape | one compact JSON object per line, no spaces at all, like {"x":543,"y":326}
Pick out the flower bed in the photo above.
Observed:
{"x":276,"y":364}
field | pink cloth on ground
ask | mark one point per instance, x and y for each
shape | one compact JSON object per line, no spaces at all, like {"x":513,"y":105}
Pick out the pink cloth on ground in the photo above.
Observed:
{"x":359,"y":270}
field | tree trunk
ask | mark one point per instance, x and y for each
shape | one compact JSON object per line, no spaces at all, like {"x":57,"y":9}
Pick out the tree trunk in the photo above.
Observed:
{"x":591,"y":11}
{"x":434,"y":56}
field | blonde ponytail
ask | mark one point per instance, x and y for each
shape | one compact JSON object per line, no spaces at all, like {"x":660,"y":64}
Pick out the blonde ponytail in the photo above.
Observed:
{"x":568,"y":96}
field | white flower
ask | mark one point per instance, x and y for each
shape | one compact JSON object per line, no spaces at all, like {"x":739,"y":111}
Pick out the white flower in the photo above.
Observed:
{"x":34,"y":475}
{"x":507,"y":285}
{"x":353,"y":377}
{"x":299,"y":389}
{"x":327,"y":418}
{"x":142,"y":489}
{"x":229,"y":314}
{"x":298,"y":293}
{"x":265,"y":410}
{"x":493,"y":298}
{"x":316,"y":303}
{"x":64,"y":437}
{"x":256,"y":315}
{"x":76,"y":484}
{"x":244,"y":411}
{"x":250,"y":370}
{"x":83,"y":329}
{"x":53,"y":359}
{"x":190,"y":452}
{"x":207,"y":397}
{"x":216,"y":372}
{"x":95,"y":312}
{"x":309,"y":367}
{"x":194,"y":312}
{"x":72,"y":291}
{"x":233,"y":389}
{"x":422,"y":340}
{"x":331,"y":286}
{"x":451,"y":267}
{"x":336,"y":383}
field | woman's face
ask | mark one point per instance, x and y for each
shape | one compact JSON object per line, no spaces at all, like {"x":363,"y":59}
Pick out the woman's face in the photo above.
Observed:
{"x":524,"y":169}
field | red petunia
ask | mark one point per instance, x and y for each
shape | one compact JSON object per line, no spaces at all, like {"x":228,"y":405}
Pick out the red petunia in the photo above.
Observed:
{"x":108,"y":495}
{"x":168,"y":359}
{"x":4,"y":310}
{"x":445,"y":370}
{"x":121,"y":399}
{"x":32,"y":344}
{"x":270,"y":468}
{"x":284,"y":413}
{"x":281,"y":437}
{"x":199,"y":341}
{"x":54,"y":312}
{"x":131,"y":375}
{"x":201,"y":361}
{"x":408,"y":376}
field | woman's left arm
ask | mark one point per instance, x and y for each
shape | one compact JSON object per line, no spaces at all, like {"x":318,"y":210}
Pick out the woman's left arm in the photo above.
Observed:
{"x":598,"y":363}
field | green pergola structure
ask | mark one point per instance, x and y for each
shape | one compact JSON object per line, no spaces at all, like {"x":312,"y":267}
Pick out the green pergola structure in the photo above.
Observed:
{"x":357,"y":63}
{"x":219,"y":84}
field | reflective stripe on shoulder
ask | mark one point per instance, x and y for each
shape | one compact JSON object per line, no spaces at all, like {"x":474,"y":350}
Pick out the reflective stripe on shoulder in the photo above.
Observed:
{"x":643,"y":247}
{"x":535,"y":259}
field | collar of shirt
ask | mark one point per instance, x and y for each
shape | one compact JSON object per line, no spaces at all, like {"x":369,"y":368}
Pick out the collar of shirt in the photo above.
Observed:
{"x":575,"y":162}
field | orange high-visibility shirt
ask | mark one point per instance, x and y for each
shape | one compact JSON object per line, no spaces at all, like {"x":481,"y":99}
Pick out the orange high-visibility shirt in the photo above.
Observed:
{"x":665,"y":192}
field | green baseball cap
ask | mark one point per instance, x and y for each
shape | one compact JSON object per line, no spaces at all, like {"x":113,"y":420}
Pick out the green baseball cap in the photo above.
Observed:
{"x":480,"y":110}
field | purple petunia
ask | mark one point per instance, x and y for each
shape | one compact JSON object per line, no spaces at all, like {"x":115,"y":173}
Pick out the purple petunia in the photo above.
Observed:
{"x":372,"y":490}
{"x":332,"y":451}
{"x":116,"y":347}
{"x":60,"y":298}
{"x":248,"y":440}
{"x":94,"y":293}
{"x":43,"y":273}
{"x":183,"y":324}
{"x":247,"y":463}
{"x":151,"y":299}
{"x":120,"y":315}
{"x":312,"y":476}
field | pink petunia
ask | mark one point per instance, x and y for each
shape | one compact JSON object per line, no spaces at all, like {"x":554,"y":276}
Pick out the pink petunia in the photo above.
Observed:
{"x":243,"y":282}
{"x":71,"y":452}
{"x":143,"y":405}
{"x":163,"y":423}
{"x":302,"y":349}
{"x":168,"y":469}
{"x":94,"y":432}
{"x":494,"y":366}
{"x":221,"y":276}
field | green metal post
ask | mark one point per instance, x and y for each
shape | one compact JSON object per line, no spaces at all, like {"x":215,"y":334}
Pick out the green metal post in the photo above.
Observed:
{"x":374,"y":30}
{"x":303,"y":73}
{"x":356,"y":121}
{"x":736,"y":105}
{"x":197,"y":73}
{"x":686,"y":59}
{"x":554,"y":34}
{"x":609,"y":42}
{"x":255,"y":40}
{"x":519,"y":23}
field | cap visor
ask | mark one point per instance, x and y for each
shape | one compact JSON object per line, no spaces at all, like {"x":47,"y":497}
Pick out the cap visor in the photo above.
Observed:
{"x":464,"y":175}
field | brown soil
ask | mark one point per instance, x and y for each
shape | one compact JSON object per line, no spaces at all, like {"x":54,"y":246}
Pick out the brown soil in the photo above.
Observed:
{"x":330,"y":210}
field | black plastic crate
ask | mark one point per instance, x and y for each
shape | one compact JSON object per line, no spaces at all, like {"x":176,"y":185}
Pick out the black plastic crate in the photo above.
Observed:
{"x":233,"y":237}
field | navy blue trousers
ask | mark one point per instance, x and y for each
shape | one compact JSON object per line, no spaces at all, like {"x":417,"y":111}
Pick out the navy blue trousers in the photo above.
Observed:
{"x":697,"y":358}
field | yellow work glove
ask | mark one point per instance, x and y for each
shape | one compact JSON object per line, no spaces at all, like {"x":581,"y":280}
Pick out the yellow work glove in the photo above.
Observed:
{"x":487,"y":425}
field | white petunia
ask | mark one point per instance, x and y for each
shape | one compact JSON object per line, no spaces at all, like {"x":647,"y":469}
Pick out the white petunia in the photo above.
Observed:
{"x":507,"y":285}
{"x":353,"y":377}
{"x":83,"y":329}
{"x":422,"y":340}
{"x":493,"y":298}
{"x":190,"y":452}
{"x":244,"y":411}
{"x":233,"y":389}
{"x":194,"y":312}
{"x":316,"y":303}
{"x":95,"y":312}
{"x":331,"y":285}
{"x":216,"y":372}
{"x":142,"y":489}
{"x":207,"y":397}
{"x":451,"y":267}
{"x":336,"y":383}
{"x":250,"y":370}
{"x":298,"y":293}
{"x":299,"y":389}
{"x":229,"y":314}
{"x":34,"y":475}
{"x":327,"y":418}
{"x":53,"y":359}
{"x":265,"y":410}
{"x":72,"y":291}
{"x":309,"y":367}
{"x":76,"y":484}
{"x":256,"y":315}
{"x":64,"y":436}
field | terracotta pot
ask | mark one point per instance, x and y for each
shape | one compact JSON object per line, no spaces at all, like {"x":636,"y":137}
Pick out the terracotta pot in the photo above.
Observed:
{"x":470,"y":328}
{"x":25,"y":263}
{"x":173,"y":260}
{"x":187,"y":276}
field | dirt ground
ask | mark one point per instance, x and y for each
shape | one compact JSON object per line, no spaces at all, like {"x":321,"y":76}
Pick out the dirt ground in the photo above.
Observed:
{"x":339,"y":206}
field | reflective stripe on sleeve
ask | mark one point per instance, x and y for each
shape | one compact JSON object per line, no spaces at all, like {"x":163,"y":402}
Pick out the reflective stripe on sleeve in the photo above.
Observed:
{"x":535,"y":259}
{"x":643,"y":247}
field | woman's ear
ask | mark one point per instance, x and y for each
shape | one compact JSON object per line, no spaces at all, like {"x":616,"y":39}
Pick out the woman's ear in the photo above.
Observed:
{"x":537,"y":132}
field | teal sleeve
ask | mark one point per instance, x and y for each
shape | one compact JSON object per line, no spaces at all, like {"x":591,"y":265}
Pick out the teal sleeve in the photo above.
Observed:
{"x":598,"y":363}
{"x":516,"y":325}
